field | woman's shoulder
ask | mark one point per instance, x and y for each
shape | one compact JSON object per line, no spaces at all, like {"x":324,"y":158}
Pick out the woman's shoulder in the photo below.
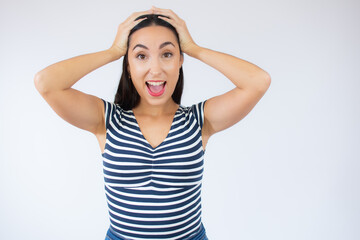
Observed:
{"x":112,"y":110}
{"x":198,"y":106}
{"x":110,"y":105}
{"x":196,"y":109}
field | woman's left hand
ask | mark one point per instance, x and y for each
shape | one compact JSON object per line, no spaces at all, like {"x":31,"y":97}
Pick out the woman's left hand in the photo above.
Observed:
{"x":186,"y":42}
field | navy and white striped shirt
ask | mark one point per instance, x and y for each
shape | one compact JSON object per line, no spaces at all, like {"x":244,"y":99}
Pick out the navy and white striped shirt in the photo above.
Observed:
{"x":154,"y":193}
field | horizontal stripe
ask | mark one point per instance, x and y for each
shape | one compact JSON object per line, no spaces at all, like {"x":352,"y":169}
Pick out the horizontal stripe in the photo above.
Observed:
{"x":153,"y":219}
{"x":153,"y":193}
{"x":167,"y":237}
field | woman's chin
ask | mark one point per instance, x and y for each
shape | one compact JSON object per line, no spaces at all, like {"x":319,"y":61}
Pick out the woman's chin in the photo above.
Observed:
{"x":157,"y":101}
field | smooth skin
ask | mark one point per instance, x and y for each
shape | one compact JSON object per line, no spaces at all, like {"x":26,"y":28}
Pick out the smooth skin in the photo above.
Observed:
{"x":154,"y":115}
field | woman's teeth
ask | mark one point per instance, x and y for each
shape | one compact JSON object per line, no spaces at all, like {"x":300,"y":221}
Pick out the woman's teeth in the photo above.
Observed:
{"x":155,"y":83}
{"x":156,"y":88}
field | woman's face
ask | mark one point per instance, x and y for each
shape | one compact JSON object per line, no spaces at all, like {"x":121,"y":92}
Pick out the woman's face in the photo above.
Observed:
{"x":154,"y":63}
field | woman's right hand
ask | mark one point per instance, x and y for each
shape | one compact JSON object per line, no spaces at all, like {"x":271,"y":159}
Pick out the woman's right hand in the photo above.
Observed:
{"x":119,"y":47}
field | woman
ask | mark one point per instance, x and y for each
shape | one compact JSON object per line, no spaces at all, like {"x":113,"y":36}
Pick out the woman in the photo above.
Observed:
{"x":152,"y":146}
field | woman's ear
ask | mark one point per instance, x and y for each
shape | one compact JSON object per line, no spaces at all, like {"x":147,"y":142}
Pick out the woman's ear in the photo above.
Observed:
{"x":181,"y":59}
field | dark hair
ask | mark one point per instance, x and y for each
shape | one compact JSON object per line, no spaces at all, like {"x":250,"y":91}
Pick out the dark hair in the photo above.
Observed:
{"x":127,"y":96}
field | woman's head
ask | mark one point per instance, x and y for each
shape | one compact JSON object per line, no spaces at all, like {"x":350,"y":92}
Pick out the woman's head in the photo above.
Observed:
{"x":153,"y":57}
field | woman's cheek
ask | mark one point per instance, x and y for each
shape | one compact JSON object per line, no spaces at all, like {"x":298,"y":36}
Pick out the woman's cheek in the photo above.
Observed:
{"x":172,"y":69}
{"x":137,"y":67}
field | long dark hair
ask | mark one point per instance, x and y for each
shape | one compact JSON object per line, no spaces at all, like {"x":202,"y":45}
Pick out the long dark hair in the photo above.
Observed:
{"x":127,"y":96}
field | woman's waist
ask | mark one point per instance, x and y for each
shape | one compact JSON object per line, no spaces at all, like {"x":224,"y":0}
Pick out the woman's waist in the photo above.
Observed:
{"x":192,"y":230}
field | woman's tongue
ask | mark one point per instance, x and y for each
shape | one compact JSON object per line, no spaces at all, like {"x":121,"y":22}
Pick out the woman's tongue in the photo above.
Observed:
{"x":155,"y":89}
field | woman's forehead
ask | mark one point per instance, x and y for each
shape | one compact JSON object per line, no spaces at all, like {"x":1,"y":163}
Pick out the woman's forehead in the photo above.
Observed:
{"x":153,"y":36}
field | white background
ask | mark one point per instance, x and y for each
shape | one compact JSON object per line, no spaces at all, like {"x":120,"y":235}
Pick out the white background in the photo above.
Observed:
{"x":289,"y":170}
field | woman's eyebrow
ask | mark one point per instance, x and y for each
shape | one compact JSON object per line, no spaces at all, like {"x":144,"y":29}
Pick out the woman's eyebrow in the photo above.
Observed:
{"x":140,"y":45}
{"x":161,"y":46}
{"x":165,"y":44}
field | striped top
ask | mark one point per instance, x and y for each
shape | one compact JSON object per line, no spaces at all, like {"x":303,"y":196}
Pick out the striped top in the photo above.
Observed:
{"x":154,"y":193}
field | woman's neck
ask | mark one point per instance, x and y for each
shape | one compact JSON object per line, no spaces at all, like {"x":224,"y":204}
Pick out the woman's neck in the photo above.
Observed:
{"x":144,"y":108}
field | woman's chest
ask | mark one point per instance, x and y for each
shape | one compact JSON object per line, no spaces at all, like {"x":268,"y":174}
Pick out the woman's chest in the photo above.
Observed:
{"x":154,"y":130}
{"x":131,"y":160}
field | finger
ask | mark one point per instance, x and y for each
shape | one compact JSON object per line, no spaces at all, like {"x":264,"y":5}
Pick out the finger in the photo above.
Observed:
{"x":162,"y":12}
{"x":132,"y":21}
{"x":169,"y":20}
{"x":135,"y":15}
{"x":159,"y":9}
{"x":136,"y":22}
{"x":166,"y":12}
{"x":143,"y":12}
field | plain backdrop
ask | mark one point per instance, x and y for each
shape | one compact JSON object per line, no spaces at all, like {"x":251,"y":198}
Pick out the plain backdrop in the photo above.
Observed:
{"x":288,"y":170}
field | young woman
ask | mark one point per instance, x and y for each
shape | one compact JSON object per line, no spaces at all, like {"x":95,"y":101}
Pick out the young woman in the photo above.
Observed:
{"x":152,"y":146}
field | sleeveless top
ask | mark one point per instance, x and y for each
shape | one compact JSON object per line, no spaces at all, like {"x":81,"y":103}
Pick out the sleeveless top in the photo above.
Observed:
{"x":154,"y":193}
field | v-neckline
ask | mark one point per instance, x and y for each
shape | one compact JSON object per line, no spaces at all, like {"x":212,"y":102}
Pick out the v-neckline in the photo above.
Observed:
{"x":167,"y":136}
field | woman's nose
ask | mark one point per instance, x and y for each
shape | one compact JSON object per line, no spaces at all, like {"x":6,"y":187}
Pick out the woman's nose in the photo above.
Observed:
{"x":155,"y":67}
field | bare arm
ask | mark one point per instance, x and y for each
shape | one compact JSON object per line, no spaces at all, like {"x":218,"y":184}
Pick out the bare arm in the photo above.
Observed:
{"x":55,"y":81}
{"x":63,"y":75}
{"x":54,"y":84}
{"x":229,"y":108}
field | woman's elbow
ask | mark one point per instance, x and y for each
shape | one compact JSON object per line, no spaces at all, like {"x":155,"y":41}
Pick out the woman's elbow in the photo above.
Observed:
{"x":265,"y":82}
{"x":40,"y":83}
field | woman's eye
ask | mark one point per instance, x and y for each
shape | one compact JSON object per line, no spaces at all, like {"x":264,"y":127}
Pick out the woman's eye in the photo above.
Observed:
{"x":141,"y":56}
{"x":168,"y":54}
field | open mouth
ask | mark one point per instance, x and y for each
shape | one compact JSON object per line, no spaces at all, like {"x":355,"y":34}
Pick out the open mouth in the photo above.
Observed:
{"x":156,"y":87}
